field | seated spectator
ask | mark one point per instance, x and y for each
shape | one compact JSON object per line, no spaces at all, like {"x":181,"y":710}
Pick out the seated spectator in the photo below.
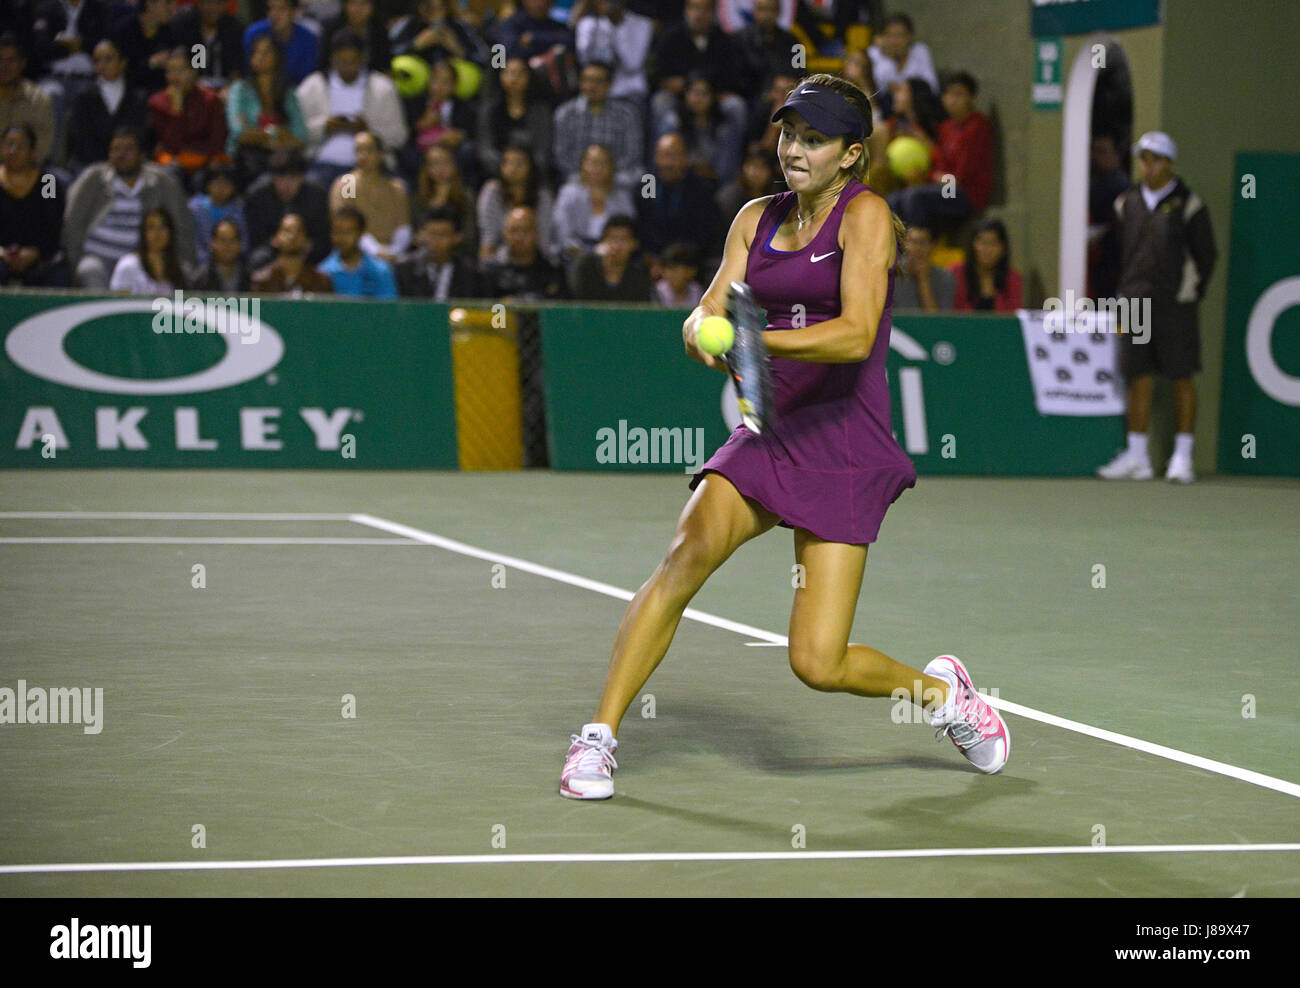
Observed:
{"x":349,"y":98}
{"x":188,"y":119}
{"x":964,"y":151}
{"x":438,"y":117}
{"x":22,"y":101}
{"x":353,"y":271}
{"x":758,"y":175}
{"x":591,"y":118}
{"x":608,"y":32}
{"x":760,"y":132}
{"x":31,"y":214}
{"x":359,"y":17}
{"x":272,"y":197}
{"x":677,"y":286}
{"x":64,"y":33}
{"x":225,"y":271}
{"x":262,"y":111}
{"x":682,"y":207}
{"x":514,"y":115}
{"x":858,"y":70}
{"x":896,"y":55}
{"x":218,"y":201}
{"x":611,"y":272}
{"x":435,"y":33}
{"x":154,"y":267}
{"x":107,"y":204}
{"x":299,"y":43}
{"x":437,"y":270}
{"x":987,"y":282}
{"x":695,"y":44}
{"x":585,"y":205}
{"x":919,"y":284}
{"x":518,"y":270}
{"x":145,"y":36}
{"x":517,"y":184}
{"x":221,"y":36}
{"x":290,"y":273}
{"x":915,"y":111}
{"x":99,"y":110}
{"x":439,"y":184}
{"x":531,"y":33}
{"x":381,"y":200}
{"x":767,"y":47}
{"x":735,"y":15}
{"x":713,"y":140}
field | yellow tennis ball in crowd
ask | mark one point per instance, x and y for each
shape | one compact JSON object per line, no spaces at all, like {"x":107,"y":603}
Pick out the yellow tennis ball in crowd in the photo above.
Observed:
{"x":410,"y":75}
{"x":468,"y":78}
{"x":907,"y":157}
{"x":714,"y":335}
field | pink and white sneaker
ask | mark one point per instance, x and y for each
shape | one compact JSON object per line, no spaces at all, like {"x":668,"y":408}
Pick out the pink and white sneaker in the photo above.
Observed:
{"x":588,"y":768}
{"x":978,"y":731}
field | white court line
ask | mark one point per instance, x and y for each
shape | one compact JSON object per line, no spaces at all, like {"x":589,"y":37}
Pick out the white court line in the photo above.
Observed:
{"x":637,"y":857}
{"x":175,"y":515}
{"x":767,"y":637}
{"x":195,"y":540}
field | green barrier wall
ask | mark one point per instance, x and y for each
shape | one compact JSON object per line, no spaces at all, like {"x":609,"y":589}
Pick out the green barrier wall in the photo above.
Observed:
{"x":320,"y":372}
{"x":970,"y":400}
{"x":1259,"y":423}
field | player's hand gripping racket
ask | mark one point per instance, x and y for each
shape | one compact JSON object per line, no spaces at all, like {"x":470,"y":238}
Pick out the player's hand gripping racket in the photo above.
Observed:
{"x":747,"y":359}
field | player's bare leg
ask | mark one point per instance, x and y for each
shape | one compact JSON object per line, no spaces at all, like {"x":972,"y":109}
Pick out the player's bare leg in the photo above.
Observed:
{"x":1185,"y":404}
{"x":822,"y":618}
{"x":1139,"y":403}
{"x":715,"y":522}
{"x":821,"y":656}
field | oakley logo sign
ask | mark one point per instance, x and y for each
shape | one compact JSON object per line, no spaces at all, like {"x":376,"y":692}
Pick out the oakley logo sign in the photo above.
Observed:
{"x":36,"y":345}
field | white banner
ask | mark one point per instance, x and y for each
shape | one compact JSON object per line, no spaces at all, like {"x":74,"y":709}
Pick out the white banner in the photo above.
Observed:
{"x":1073,"y":362}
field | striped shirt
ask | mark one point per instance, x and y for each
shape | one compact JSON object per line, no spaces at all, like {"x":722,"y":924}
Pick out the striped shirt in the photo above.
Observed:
{"x":617,"y":126}
{"x":118,"y":231}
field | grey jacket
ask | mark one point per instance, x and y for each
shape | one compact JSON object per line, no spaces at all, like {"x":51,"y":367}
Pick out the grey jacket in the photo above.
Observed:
{"x":91,"y":196}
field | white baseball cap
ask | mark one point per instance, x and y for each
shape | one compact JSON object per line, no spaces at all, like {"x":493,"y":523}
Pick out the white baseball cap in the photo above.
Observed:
{"x":1158,"y":142}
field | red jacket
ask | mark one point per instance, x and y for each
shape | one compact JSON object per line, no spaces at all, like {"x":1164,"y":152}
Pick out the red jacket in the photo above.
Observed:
{"x":200,"y":127}
{"x":965,"y":149}
{"x":1005,"y":301}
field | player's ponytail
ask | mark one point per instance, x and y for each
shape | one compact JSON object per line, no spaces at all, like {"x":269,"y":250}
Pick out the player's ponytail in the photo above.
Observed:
{"x":861,"y":102}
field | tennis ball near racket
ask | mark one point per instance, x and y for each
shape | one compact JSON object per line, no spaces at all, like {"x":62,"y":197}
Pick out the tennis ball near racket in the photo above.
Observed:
{"x":714,"y":335}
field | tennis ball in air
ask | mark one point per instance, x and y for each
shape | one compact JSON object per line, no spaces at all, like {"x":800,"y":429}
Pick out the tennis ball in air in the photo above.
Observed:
{"x":714,"y":335}
{"x":908,"y":157}
{"x":468,"y":78}
{"x":410,"y":75}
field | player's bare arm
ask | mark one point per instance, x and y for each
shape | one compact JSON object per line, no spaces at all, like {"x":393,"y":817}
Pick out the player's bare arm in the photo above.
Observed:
{"x":735,"y":257}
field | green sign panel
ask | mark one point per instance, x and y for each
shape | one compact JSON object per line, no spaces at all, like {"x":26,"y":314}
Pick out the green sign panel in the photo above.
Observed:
{"x":196,"y":382}
{"x":1048,"y":54}
{"x":1082,"y":16}
{"x":1259,"y":424}
{"x":622,"y":395}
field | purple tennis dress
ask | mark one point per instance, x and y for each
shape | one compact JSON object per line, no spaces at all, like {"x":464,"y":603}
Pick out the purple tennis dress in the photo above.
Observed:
{"x":828,"y":461}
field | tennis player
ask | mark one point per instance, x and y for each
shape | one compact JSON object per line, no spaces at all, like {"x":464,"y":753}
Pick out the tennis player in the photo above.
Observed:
{"x":821,"y":259}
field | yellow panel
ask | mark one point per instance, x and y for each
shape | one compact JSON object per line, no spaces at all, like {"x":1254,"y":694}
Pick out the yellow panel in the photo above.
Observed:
{"x":489,"y":406}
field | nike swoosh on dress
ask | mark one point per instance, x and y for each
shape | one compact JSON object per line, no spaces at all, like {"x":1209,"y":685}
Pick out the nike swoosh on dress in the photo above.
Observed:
{"x":821,"y":257}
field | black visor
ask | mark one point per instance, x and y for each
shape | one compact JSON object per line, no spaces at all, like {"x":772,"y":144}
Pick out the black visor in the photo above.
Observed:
{"x":826,"y":111}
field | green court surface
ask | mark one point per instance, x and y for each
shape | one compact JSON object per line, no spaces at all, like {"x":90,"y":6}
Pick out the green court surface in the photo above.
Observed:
{"x":223,"y":705}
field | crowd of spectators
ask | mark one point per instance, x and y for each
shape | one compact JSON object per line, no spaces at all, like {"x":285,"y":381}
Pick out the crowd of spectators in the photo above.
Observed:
{"x":450,"y":148}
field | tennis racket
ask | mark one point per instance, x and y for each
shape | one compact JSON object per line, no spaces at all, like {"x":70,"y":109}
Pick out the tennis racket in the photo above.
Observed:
{"x":747,"y":359}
